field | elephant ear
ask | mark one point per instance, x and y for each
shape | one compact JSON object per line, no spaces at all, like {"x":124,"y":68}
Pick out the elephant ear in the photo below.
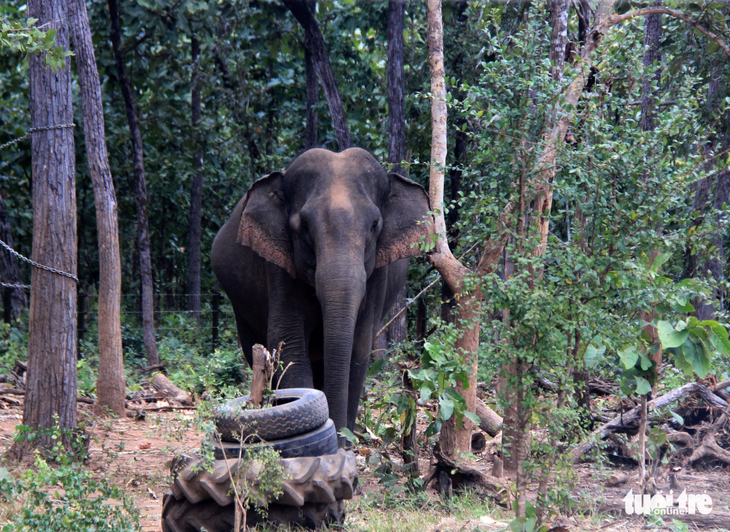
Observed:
{"x":264,"y":223}
{"x":406,"y":220}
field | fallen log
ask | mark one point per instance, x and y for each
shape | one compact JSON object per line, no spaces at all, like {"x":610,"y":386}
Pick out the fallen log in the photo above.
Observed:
{"x":173,"y":394}
{"x":490,"y":422}
{"x":633,"y":415}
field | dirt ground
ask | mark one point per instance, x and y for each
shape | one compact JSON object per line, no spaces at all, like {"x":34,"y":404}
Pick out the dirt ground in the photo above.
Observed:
{"x":136,"y":455}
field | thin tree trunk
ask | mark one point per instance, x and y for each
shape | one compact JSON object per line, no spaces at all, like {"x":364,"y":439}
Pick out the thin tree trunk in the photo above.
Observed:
{"x":315,"y":43}
{"x":14,"y":299}
{"x":559,"y":36}
{"x":652,"y":40}
{"x":452,"y":441}
{"x":715,"y":265}
{"x":310,"y":71}
{"x":196,"y":191}
{"x":583,"y":9}
{"x":110,"y":383}
{"x":398,"y":331}
{"x":51,"y":384}
{"x":310,"y":132}
{"x":145,"y":260}
{"x":396,"y":91}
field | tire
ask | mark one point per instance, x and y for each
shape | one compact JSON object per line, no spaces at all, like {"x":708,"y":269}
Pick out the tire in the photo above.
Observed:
{"x":319,"y":442}
{"x":183,"y":516}
{"x":316,"y":479}
{"x":300,"y":410}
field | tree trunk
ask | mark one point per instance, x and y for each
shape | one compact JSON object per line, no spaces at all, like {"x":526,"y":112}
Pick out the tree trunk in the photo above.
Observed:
{"x":145,"y":260}
{"x":314,"y":41}
{"x":452,"y":441}
{"x":652,"y":40}
{"x":559,"y":36}
{"x":396,"y":91}
{"x":51,"y":384}
{"x":14,"y":299}
{"x":715,"y":265}
{"x":310,"y":71}
{"x":196,"y":191}
{"x":110,"y":385}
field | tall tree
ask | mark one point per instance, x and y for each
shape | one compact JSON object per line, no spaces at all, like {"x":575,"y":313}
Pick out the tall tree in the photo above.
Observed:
{"x":396,"y":86}
{"x":110,"y":384}
{"x":196,"y":191}
{"x":14,"y":299}
{"x":398,"y":330}
{"x":51,"y":385}
{"x":143,"y":240}
{"x":310,"y":72}
{"x":314,"y":41}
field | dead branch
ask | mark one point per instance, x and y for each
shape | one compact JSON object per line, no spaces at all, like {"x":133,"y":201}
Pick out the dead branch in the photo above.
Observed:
{"x":633,"y":414}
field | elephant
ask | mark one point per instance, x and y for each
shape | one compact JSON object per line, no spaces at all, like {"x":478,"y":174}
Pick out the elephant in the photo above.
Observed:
{"x":313,"y":257}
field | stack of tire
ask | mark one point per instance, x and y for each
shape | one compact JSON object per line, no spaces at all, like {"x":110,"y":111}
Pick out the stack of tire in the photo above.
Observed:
{"x":317,"y":476}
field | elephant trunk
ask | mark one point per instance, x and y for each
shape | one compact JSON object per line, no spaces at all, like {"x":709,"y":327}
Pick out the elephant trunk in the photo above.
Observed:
{"x":340,"y":289}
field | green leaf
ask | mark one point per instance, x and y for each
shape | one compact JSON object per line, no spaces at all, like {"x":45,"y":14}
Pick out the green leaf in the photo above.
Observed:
{"x":629,"y":357}
{"x":473,"y":417}
{"x":669,"y":336}
{"x":389,"y":480}
{"x":594,"y":355}
{"x":349,"y":436}
{"x":719,"y":339}
{"x":642,"y":385}
{"x":679,"y":419}
{"x":646,"y":362}
{"x":447,"y":407}
{"x":682,"y":363}
{"x":659,"y":261}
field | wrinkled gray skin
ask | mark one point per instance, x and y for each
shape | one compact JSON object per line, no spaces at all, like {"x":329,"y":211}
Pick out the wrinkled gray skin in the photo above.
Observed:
{"x":313,"y":257}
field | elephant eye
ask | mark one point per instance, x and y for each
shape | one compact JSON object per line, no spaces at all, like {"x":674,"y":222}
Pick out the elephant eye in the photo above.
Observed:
{"x":374,"y":228}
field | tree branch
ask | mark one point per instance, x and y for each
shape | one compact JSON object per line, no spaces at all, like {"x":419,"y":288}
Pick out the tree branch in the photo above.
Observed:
{"x":617,"y":19}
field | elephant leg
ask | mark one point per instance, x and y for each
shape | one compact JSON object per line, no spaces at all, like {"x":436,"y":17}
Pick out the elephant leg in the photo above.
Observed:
{"x":289,"y":307}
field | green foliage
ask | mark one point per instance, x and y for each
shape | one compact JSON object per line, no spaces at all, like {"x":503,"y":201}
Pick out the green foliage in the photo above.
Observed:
{"x":66,"y":445}
{"x":13,"y":346}
{"x":66,"y":498}
{"x":29,"y":39}
{"x":442,"y":369}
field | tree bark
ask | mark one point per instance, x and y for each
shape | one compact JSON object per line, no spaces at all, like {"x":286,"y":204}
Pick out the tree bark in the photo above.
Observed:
{"x":196,"y":191}
{"x":310,"y":71}
{"x":559,"y":36}
{"x":453,"y":441}
{"x":110,"y":386}
{"x":14,"y":299}
{"x":314,"y":41}
{"x":145,"y":260}
{"x":652,"y":40}
{"x":396,"y":86}
{"x":51,"y":380}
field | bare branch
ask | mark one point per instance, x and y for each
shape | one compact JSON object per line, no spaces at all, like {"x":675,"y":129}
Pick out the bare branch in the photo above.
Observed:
{"x":617,"y":19}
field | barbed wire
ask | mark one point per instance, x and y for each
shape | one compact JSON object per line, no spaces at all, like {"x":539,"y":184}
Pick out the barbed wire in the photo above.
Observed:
{"x":39,"y":266}
{"x":33,"y":130}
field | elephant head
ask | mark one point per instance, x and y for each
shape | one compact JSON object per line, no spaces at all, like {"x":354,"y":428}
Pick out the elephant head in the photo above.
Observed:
{"x":330,"y":220}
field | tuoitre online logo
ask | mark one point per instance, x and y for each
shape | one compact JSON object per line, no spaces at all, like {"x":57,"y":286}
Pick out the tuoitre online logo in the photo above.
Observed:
{"x":666,"y":505}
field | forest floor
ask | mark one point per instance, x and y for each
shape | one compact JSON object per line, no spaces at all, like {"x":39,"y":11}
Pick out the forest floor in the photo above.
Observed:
{"x":135,"y":455}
